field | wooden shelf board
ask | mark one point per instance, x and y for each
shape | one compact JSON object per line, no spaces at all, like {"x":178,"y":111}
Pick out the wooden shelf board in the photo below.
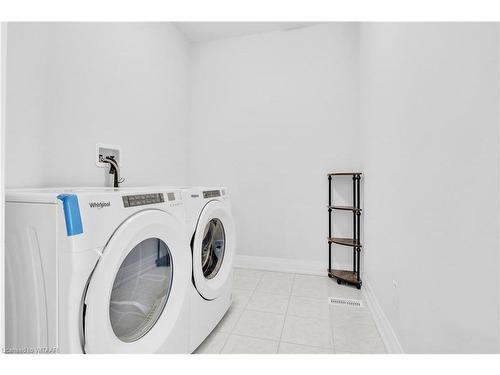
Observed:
{"x":345,"y":241}
{"x":345,"y":174}
{"x":347,"y":276}
{"x":345,"y":208}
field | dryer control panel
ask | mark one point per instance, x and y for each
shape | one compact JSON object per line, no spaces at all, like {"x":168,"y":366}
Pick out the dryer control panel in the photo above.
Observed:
{"x":211,"y":194}
{"x":144,"y":199}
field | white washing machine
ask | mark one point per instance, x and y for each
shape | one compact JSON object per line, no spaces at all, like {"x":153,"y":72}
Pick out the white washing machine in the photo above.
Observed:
{"x":211,"y":235}
{"x":97,"y":271}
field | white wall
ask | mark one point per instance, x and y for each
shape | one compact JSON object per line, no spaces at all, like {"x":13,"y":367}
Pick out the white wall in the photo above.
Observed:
{"x":72,"y":85}
{"x":3,"y":55}
{"x":430,"y":128}
{"x":271,"y":114}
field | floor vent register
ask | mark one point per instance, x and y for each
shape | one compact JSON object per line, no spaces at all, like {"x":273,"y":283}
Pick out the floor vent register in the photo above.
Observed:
{"x":345,"y":302}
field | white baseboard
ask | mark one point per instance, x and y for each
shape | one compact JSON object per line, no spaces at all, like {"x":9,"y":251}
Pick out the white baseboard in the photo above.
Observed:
{"x":281,"y":265}
{"x":384,"y":326}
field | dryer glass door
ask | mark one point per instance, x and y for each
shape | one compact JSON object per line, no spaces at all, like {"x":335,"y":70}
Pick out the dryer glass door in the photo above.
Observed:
{"x":213,"y":250}
{"x":138,"y":291}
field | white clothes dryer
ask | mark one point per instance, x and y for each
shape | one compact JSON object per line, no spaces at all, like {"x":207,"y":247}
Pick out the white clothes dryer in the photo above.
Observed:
{"x":212,"y":238}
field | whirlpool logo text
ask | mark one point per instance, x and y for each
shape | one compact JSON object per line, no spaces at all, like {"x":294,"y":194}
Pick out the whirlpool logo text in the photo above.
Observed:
{"x":99,"y":205}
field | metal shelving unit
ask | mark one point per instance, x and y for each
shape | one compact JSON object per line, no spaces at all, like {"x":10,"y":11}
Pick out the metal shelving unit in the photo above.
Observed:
{"x":347,"y":276}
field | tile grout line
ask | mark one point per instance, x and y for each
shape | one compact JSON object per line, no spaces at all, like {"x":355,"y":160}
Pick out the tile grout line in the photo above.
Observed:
{"x":326,"y":289}
{"x":333,"y":313}
{"x":331,"y":316}
{"x":309,"y":345}
{"x":254,"y":337}
{"x":286,"y":312}
{"x":284,"y":316}
{"x":330,"y":313}
{"x":224,"y":343}
{"x":244,"y":309}
{"x":279,"y":341}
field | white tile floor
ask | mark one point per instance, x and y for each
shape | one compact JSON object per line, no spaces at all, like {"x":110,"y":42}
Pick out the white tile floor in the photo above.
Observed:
{"x":289,"y":313}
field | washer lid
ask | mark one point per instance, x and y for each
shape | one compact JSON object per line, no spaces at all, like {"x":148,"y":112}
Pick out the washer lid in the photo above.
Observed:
{"x":138,"y":287}
{"x":213,"y":249}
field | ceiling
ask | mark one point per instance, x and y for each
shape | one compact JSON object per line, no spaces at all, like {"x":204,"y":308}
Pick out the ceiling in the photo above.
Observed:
{"x":206,"y":31}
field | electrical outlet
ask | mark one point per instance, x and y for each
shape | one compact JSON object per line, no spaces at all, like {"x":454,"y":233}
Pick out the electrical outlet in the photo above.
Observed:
{"x":102,"y":151}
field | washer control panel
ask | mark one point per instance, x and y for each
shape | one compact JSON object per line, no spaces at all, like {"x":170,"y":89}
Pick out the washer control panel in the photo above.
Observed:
{"x":211,"y":194}
{"x":144,"y":199}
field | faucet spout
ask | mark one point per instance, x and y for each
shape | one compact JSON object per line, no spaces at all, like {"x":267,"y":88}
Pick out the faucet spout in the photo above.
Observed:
{"x":114,"y":169}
